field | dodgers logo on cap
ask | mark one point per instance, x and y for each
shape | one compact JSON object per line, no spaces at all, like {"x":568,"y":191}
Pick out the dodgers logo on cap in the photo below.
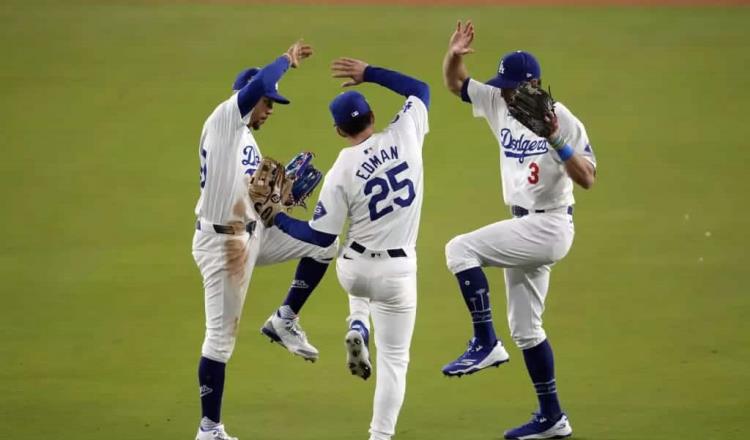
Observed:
{"x":515,"y":68}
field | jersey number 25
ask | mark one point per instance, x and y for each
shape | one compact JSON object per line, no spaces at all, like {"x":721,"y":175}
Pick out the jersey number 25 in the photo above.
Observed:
{"x":385,"y":187}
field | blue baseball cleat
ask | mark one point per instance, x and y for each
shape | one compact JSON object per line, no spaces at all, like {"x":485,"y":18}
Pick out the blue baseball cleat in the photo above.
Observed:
{"x":477,"y":357}
{"x":542,"y":427}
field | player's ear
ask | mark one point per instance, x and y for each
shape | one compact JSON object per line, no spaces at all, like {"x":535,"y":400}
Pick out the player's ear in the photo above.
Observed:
{"x":341,"y":133}
{"x":372,"y":118}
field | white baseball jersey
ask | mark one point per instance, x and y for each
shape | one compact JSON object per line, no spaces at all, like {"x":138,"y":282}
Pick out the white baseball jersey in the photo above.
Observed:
{"x":533,"y":176}
{"x":228,"y":156}
{"x":378,"y":185}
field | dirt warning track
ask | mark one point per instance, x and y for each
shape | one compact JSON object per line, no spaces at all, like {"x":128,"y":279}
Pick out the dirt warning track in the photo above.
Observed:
{"x":603,"y":3}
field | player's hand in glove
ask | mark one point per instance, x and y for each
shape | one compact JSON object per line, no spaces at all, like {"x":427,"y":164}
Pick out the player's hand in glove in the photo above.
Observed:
{"x":302,"y":177}
{"x":349,"y":68}
{"x":298,"y":52}
{"x":267,"y":188}
{"x":535,"y":109}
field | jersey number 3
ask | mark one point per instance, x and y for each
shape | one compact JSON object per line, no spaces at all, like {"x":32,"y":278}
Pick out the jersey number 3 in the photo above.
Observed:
{"x":385,"y":187}
{"x":534,"y":176}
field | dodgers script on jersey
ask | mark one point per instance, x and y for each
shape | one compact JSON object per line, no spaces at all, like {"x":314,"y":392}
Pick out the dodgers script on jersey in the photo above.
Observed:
{"x":228,"y":156}
{"x":378,"y":183}
{"x":533,"y":175}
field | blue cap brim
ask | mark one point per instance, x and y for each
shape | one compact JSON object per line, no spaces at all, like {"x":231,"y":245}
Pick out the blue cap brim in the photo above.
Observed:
{"x":275,"y":97}
{"x":503,"y":83}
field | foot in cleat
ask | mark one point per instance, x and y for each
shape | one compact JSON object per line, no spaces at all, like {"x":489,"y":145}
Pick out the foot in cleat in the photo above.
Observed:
{"x":357,"y":353}
{"x":289,"y":334}
{"x":477,"y":357}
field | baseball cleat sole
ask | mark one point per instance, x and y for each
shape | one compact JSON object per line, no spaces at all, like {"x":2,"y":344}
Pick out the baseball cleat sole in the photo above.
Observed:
{"x":471,"y":370}
{"x":357,"y":355}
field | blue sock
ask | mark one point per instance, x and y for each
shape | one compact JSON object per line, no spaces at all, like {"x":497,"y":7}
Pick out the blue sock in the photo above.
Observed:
{"x":476,"y":292}
{"x":360,"y":327}
{"x":541,"y":365}
{"x":306,"y":279}
{"x":211,"y":380}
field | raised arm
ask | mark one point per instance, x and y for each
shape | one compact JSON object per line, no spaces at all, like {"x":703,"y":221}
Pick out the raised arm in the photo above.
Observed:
{"x":454,"y":70}
{"x":359,"y":71}
{"x":266,"y":79}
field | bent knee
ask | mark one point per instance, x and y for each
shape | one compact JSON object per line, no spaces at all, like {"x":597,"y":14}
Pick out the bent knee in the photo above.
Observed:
{"x":559,"y":251}
{"x":218,"y":348}
{"x":459,"y":256}
{"x":326,"y":255}
{"x":528,"y":338}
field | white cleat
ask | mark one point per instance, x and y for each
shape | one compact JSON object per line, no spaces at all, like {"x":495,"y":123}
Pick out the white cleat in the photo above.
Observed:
{"x":289,"y":334}
{"x":215,"y":433}
{"x":357,"y":354}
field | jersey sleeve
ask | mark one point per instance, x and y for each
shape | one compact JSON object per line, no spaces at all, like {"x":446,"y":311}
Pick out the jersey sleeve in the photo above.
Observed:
{"x":486,"y":100}
{"x":227,"y":116}
{"x":412,"y":117}
{"x":574,"y":133}
{"x":332,"y":208}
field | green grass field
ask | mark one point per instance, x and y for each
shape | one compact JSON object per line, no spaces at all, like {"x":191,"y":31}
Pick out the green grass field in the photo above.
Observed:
{"x":102,"y":318}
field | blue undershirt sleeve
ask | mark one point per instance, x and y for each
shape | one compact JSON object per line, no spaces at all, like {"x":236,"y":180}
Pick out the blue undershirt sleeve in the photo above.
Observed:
{"x":302,"y":231}
{"x":465,"y":91}
{"x":264,"y":80}
{"x":399,"y":83}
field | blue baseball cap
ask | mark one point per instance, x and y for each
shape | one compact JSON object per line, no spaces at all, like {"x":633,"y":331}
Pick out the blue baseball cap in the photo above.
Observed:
{"x":515,"y":68}
{"x":348,"y":106}
{"x":247,"y":75}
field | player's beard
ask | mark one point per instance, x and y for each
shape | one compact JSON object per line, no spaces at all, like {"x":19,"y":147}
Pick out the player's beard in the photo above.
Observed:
{"x":257,"y":124}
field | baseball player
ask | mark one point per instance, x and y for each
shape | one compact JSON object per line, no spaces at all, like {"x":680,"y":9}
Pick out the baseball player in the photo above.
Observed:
{"x":537,"y":180}
{"x":229,"y":241}
{"x":375,"y":184}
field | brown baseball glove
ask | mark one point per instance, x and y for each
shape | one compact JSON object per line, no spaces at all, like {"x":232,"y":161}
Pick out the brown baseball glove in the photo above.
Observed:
{"x":269,"y":189}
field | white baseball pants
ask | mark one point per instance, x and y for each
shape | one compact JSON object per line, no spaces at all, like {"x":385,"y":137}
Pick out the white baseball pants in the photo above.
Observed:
{"x":526,"y":247}
{"x":385,"y":288}
{"x":226,"y":263}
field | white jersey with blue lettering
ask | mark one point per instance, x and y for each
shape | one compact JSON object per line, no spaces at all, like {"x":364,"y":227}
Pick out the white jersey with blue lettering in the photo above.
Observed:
{"x":228,"y":156}
{"x":377,"y":185}
{"x":533,"y":176}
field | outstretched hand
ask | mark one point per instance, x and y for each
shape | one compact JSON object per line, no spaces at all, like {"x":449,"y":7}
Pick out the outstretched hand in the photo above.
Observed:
{"x":349,"y":68}
{"x":463,"y":36}
{"x":298,"y":52}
